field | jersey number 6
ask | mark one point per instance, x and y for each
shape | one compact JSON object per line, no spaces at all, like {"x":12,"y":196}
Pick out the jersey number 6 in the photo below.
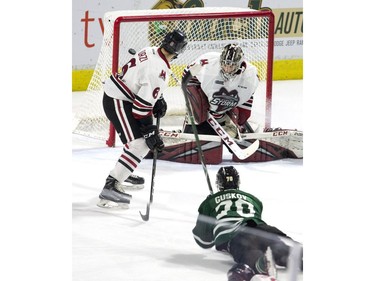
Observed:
{"x":131,"y":63}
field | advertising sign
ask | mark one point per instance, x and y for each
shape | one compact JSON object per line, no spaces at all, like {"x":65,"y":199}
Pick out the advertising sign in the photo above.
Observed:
{"x":88,"y":30}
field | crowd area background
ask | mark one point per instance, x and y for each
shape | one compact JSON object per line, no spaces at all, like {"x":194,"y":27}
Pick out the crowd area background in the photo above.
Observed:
{"x":87,"y":30}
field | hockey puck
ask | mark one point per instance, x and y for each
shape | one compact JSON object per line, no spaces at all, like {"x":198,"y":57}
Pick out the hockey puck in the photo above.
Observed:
{"x":132,"y":51}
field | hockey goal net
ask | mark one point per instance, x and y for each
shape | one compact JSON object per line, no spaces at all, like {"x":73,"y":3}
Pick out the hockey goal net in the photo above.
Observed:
{"x":207,"y":30}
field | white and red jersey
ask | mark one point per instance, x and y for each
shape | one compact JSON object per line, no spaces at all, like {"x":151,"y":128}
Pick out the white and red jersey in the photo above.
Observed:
{"x":224,"y":95}
{"x":141,"y":81}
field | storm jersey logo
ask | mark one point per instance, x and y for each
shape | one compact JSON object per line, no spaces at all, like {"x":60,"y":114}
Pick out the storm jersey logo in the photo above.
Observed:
{"x":224,"y":100}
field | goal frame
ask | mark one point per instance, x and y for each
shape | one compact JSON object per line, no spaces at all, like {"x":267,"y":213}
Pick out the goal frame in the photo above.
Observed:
{"x":197,"y":16}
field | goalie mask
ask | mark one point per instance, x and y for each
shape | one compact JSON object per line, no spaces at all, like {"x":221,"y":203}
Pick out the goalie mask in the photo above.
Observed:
{"x":230,"y":61}
{"x":227,"y":178}
{"x":174,"y":42}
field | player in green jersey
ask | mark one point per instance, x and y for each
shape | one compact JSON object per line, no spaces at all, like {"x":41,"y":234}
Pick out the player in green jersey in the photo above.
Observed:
{"x":231,"y":220}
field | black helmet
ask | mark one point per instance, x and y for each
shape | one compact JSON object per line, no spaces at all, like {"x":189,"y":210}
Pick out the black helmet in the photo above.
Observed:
{"x":227,"y":178}
{"x":174,"y":42}
{"x":232,"y":55}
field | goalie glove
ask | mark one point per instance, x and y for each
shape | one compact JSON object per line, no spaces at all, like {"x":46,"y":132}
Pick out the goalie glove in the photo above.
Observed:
{"x":229,"y":124}
{"x":153,"y":139}
{"x":230,"y":127}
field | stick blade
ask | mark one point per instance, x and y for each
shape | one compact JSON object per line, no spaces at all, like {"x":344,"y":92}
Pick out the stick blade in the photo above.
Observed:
{"x":249,"y":150}
{"x":146,"y":216}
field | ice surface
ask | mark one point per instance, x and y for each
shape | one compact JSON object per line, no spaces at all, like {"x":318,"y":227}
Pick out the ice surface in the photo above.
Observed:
{"x":117,"y":245}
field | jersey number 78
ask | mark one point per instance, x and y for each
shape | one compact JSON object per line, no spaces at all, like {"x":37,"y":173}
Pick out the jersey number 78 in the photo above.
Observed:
{"x":236,"y":208}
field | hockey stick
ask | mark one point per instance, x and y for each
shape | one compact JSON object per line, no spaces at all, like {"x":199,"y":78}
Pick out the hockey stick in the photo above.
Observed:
{"x":247,"y":136}
{"x":195,"y":131}
{"x":200,"y":152}
{"x":248,"y":127}
{"x":230,"y":142}
{"x":146,"y":216}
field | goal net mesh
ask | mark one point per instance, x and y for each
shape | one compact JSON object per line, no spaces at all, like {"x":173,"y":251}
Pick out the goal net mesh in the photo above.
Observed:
{"x":207,"y":29}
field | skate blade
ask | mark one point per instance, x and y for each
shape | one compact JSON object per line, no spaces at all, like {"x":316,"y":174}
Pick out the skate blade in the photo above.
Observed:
{"x":271,"y":262}
{"x":128,"y":186}
{"x":107,"y":204}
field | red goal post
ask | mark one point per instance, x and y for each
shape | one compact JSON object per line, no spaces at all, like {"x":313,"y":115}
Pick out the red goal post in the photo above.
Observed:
{"x":207,"y":29}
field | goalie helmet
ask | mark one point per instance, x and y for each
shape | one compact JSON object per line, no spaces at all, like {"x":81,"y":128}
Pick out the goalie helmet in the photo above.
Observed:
{"x":174,"y":42}
{"x":227,"y":178}
{"x":230,"y":61}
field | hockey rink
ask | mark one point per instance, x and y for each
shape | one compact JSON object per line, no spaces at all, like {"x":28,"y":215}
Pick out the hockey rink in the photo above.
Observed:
{"x":117,"y":245}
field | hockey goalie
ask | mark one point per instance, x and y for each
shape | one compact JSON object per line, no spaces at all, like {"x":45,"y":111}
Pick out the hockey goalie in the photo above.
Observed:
{"x":220,"y":90}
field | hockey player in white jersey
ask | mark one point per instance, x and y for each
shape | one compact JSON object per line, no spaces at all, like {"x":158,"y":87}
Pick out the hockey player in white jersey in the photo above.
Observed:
{"x":222,"y":84}
{"x":131,"y":99}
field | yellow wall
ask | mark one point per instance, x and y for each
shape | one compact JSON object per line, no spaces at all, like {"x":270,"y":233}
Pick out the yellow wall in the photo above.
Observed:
{"x":81,"y":79}
{"x":288,"y":69}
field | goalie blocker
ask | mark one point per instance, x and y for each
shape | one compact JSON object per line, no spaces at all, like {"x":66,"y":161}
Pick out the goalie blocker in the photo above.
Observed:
{"x":274,"y":145}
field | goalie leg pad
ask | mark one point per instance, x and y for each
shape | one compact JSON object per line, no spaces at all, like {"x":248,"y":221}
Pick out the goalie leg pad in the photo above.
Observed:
{"x":267,"y":151}
{"x":186,"y":152}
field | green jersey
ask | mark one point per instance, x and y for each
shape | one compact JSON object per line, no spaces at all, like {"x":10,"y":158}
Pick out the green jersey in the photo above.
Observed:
{"x":223,"y":213}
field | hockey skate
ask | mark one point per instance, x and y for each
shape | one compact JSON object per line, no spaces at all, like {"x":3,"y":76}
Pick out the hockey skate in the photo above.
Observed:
{"x":133,"y":182}
{"x":265,"y":268}
{"x":112,"y":197}
{"x":240,"y":272}
{"x":243,"y":272}
{"x":271,"y":265}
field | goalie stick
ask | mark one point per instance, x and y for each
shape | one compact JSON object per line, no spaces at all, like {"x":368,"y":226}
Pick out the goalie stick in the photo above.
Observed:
{"x":146,"y":216}
{"x":230,"y":142}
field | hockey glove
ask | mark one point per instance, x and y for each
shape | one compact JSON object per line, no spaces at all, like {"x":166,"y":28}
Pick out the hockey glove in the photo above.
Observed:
{"x":152,"y":137}
{"x":160,"y":108}
{"x":229,"y":126}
